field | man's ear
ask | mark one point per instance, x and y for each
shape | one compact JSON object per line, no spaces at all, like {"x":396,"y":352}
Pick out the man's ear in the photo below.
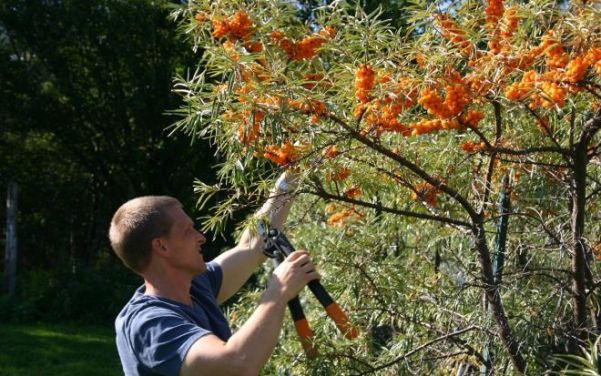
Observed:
{"x":159,"y":245}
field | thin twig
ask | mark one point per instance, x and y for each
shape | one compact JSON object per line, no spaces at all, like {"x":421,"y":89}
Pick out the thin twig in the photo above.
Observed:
{"x":419,"y":348}
{"x":406,"y":213}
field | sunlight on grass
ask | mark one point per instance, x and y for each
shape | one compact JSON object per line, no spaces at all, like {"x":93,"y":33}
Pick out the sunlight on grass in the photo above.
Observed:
{"x":57,"y":350}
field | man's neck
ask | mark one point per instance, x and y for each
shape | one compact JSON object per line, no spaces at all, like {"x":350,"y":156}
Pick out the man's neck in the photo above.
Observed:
{"x":169,"y":285}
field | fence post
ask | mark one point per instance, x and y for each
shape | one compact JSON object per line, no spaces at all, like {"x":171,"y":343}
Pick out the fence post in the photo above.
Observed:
{"x":498,"y":262}
{"x":10,"y":255}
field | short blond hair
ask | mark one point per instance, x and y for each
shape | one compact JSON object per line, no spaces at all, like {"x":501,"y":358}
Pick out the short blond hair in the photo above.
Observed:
{"x":135,"y":224}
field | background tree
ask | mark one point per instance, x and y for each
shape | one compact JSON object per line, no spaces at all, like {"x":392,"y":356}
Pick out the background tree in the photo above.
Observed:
{"x":403,"y":141}
{"x":85,"y":88}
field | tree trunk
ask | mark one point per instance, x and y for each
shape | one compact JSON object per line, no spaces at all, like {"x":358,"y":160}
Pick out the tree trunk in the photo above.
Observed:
{"x":493,"y":298}
{"x":10,"y":256}
{"x":578,"y":199}
{"x":579,"y":165}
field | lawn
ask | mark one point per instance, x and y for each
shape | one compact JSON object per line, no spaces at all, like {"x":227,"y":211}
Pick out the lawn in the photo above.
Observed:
{"x":57,"y":350}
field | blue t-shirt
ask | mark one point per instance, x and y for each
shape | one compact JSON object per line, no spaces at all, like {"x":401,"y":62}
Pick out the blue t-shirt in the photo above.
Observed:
{"x":154,"y":334}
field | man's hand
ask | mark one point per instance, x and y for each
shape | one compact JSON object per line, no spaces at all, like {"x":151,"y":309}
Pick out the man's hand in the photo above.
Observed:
{"x":287,"y":182}
{"x":240,"y":262}
{"x":291,"y":276}
{"x":241,"y":355}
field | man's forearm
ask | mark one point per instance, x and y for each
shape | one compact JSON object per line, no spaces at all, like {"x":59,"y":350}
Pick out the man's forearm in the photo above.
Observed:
{"x":240,"y":262}
{"x":255,"y":340}
{"x":246,"y":352}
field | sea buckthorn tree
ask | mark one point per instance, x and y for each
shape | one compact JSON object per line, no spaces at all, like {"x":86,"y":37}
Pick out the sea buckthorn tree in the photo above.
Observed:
{"x":426,"y":158}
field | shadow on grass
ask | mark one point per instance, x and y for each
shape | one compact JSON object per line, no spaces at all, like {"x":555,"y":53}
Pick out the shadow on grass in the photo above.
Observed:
{"x":45,"y":349}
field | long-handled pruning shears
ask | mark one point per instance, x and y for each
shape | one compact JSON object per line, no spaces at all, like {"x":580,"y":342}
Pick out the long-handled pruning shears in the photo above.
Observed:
{"x":278,"y":247}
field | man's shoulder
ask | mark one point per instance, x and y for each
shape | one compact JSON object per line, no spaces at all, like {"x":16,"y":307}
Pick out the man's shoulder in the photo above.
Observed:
{"x":144,"y":308}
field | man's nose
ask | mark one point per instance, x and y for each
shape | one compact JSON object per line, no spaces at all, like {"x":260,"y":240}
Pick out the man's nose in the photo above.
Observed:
{"x":201,"y":237}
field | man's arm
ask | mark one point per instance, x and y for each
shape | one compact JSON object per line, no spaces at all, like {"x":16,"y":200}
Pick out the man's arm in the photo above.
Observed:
{"x":247,"y":351}
{"x":241,"y":261}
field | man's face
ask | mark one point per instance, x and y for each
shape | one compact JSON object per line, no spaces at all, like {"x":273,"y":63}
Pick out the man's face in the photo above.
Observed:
{"x":185,"y":241}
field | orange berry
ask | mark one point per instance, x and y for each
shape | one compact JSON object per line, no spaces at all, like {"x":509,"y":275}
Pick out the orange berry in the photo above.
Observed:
{"x":339,"y":175}
{"x":331,"y":151}
{"x":328,"y":32}
{"x":353,"y":192}
{"x":200,"y":17}
{"x":341,"y":217}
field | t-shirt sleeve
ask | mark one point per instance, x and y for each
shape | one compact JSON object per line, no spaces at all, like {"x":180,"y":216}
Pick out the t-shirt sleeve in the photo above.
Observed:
{"x":162,"y":338}
{"x":214,"y":276}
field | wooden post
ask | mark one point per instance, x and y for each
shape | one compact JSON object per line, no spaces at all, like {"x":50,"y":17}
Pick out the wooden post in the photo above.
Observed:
{"x":498,"y":263}
{"x":10,"y":255}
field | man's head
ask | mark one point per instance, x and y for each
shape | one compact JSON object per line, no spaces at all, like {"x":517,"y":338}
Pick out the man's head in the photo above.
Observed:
{"x":136,"y":223}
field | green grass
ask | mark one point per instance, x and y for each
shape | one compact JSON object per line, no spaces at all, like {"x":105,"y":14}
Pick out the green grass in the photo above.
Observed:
{"x":57,"y":350}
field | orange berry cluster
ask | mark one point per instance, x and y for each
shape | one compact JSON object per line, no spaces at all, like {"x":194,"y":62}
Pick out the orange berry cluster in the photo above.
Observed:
{"x":502,"y":24}
{"x":517,"y":91}
{"x":269,"y":102}
{"x":244,"y":92}
{"x":554,"y":51}
{"x":338,"y":175}
{"x":576,"y":69}
{"x":253,"y":71}
{"x":353,"y":192}
{"x":452,"y":33}
{"x":200,"y":17}
{"x":250,"y":127}
{"x":509,"y":24}
{"x":342,"y":217}
{"x":494,"y":11}
{"x":594,"y":58}
{"x":420,"y":60}
{"x":471,"y":118}
{"x":305,"y":49}
{"x":331,"y":152}
{"x":231,"y":50}
{"x":312,"y":80}
{"x":254,"y":47}
{"x":426,"y":126}
{"x":382,"y":116}
{"x":546,"y":90}
{"x":477,"y":84}
{"x":365,"y":78}
{"x":427,"y":193}
{"x":284,"y":155}
{"x":596,"y":249}
{"x":237,"y":27}
{"x":472,"y":147}
{"x":457,"y":97}
{"x":552,"y":94}
{"x":311,"y":107}
{"x":328,"y":32}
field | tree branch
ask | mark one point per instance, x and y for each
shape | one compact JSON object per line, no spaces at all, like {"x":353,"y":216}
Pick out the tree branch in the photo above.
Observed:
{"x":421,"y":347}
{"x":493,"y":156}
{"x":409,"y":165}
{"x":324,"y":194}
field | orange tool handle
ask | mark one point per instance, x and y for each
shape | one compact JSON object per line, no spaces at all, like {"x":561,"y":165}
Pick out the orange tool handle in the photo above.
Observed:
{"x":303,"y":330}
{"x":333,"y":310}
{"x":341,"y":320}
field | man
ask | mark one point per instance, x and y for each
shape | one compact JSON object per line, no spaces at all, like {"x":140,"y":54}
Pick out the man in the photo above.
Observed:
{"x":173,"y":324}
